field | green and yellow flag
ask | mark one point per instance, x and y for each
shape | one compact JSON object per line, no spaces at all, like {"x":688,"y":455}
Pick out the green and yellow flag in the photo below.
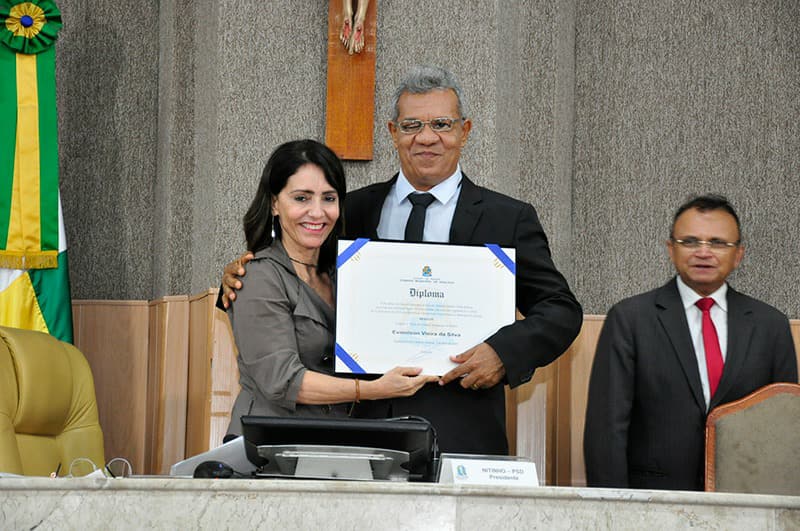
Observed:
{"x":34,"y":284}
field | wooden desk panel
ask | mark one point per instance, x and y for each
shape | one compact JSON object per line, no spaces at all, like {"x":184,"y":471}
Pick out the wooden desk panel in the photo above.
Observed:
{"x":140,"y":409}
{"x":213,"y":374}
{"x":113,"y":335}
{"x":168,"y":357}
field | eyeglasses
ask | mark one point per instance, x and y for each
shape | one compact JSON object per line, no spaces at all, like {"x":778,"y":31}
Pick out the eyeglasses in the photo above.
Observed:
{"x":714,"y":245}
{"x":437,"y":125}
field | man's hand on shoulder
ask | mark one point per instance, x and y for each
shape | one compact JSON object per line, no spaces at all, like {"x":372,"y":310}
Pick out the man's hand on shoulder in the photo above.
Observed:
{"x":479,"y":368}
{"x":230,"y":278}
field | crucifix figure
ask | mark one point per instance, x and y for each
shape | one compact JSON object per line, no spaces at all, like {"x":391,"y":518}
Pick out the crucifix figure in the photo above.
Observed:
{"x":352,"y":33}
{"x":350,"y":98}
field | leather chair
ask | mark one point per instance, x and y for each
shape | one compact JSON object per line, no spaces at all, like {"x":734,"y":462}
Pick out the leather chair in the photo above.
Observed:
{"x":48,"y":410}
{"x":753,"y":444}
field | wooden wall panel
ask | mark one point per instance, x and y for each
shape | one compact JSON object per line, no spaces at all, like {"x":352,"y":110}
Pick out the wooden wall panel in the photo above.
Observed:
{"x":224,"y":377}
{"x":166,"y":377}
{"x":113,"y":335}
{"x":574,"y":369}
{"x":200,"y":357}
{"x":530,"y":420}
{"x":168,"y":358}
{"x":213,"y":374}
{"x":535,"y":421}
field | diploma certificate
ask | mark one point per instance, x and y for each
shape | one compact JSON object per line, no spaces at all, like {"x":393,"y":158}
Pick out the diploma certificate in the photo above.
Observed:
{"x":416,"y":304}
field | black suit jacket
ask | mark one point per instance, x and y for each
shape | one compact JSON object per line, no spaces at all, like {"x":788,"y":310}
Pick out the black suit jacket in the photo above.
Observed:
{"x":645,"y":418}
{"x":469,"y":421}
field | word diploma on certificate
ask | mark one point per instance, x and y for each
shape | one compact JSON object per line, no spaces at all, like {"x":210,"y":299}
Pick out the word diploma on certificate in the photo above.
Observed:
{"x":417,"y":304}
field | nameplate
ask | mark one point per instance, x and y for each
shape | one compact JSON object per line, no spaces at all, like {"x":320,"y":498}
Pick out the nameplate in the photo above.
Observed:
{"x":508,"y":471}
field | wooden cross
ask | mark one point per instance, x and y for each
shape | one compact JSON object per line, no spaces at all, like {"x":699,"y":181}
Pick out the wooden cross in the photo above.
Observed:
{"x":350,"y":100}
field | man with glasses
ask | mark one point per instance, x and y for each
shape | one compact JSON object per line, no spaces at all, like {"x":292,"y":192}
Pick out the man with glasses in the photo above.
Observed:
{"x":667,"y":357}
{"x":431,"y":200}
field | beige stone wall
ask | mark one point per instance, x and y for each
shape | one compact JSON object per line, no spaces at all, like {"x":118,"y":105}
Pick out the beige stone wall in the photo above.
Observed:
{"x":604,"y":114}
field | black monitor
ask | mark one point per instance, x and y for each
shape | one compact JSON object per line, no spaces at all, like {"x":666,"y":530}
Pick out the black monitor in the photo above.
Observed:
{"x":414,"y":436}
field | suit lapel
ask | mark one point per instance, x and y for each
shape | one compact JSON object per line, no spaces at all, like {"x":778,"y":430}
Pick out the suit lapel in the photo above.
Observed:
{"x":672,"y":316}
{"x":740,"y":329}
{"x":468,"y":212}
{"x":374,"y":208}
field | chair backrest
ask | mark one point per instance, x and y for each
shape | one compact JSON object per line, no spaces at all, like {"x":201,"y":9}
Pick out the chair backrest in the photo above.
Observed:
{"x":48,"y":410}
{"x":753,"y":444}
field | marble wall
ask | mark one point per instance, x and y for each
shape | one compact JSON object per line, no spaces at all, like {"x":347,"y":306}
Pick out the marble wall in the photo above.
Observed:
{"x":107,"y":69}
{"x":677,"y":98}
{"x":604,"y":114}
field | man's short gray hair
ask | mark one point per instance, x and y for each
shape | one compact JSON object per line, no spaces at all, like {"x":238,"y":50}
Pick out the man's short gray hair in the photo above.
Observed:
{"x":424,"y":78}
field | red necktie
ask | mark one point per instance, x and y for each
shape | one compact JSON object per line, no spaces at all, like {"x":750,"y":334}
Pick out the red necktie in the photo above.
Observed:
{"x":711,"y":343}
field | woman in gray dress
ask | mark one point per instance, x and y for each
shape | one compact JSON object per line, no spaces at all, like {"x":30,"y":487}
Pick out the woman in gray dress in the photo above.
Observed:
{"x":283,"y":319}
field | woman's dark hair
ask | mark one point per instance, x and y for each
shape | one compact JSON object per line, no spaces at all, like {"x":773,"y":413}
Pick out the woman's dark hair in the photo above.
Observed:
{"x":282,"y":164}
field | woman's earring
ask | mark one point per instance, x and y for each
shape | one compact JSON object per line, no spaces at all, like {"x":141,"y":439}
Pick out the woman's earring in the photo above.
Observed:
{"x":272,"y":227}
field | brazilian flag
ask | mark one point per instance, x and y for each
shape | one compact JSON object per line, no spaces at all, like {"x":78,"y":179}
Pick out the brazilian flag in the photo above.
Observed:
{"x":34,"y":282}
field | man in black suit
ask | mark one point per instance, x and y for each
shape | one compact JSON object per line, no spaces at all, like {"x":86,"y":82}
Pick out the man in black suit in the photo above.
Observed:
{"x":667,"y":357}
{"x":429,"y":128}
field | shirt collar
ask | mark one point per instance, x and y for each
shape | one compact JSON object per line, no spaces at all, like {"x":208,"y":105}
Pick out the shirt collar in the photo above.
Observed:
{"x":689,"y":296}
{"x":443,"y":192}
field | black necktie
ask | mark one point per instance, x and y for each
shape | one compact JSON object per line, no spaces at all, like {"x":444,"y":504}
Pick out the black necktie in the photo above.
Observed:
{"x":416,"y":220}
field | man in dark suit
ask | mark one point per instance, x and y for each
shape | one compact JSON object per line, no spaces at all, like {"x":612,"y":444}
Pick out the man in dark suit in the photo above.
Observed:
{"x":665,"y":358}
{"x":429,"y":128}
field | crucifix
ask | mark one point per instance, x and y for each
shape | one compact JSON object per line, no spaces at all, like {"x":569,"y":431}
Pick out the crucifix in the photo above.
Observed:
{"x":350,"y":99}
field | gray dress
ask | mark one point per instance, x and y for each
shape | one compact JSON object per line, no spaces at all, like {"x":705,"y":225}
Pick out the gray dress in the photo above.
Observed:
{"x":282,"y":328}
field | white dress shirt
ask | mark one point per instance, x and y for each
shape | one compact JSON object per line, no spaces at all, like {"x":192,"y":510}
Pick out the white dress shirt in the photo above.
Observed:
{"x":438,"y":216}
{"x":694,"y":316}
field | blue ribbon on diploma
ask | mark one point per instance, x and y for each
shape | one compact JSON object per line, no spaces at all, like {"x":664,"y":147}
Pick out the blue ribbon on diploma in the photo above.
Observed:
{"x":348,"y":253}
{"x":503,"y":257}
{"x":342,"y":354}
